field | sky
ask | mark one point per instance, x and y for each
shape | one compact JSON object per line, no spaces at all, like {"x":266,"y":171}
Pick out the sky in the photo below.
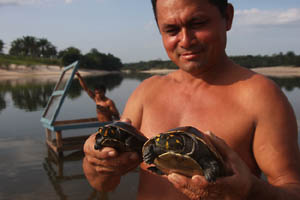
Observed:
{"x":127,"y":29}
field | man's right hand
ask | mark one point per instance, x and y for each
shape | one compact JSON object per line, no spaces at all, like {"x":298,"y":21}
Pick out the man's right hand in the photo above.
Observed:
{"x":108,"y":160}
{"x":104,"y":168}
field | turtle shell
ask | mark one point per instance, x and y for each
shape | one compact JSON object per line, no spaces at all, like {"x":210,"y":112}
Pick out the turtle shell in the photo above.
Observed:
{"x":183,"y":150}
{"x":121,"y":136}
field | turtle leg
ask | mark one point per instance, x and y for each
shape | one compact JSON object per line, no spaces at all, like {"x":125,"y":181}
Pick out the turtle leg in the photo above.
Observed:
{"x":211,"y":170}
{"x":148,"y":154}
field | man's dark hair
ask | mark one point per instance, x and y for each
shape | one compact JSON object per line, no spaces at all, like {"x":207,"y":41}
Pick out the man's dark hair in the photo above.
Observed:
{"x":100,"y":88}
{"x":220,"y":4}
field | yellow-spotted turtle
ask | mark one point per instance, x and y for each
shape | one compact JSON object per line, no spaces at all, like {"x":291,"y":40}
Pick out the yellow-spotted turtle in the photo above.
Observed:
{"x":183,"y":150}
{"x":121,"y":136}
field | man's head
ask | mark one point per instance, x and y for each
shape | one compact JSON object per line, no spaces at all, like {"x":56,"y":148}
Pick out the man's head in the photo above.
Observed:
{"x":220,"y":4}
{"x":194,"y":32}
{"x":100,"y":90}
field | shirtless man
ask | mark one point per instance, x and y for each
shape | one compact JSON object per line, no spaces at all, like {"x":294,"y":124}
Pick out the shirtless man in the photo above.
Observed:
{"x":252,"y":122}
{"x":106,"y":109}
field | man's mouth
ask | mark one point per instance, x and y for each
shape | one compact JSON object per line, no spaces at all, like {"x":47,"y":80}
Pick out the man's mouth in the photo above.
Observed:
{"x":190,"y":55}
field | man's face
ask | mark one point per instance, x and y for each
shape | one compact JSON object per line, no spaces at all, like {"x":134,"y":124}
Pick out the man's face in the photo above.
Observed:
{"x":99,"y":93}
{"x":193,"y":33}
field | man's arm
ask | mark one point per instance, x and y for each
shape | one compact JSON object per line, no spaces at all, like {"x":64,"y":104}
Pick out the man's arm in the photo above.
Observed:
{"x":84,"y":86}
{"x":275,"y":146}
{"x":114,"y":111}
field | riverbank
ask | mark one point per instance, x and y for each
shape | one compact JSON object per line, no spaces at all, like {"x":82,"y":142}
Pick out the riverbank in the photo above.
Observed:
{"x":50,"y":72}
{"x":278,"y":71}
{"x":53,"y":72}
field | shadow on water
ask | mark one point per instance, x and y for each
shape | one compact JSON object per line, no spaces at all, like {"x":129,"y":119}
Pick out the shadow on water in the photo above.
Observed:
{"x":60,"y":174}
{"x":33,"y":95}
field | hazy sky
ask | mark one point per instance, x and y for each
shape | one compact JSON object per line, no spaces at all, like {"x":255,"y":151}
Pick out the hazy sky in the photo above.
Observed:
{"x":126,"y":28}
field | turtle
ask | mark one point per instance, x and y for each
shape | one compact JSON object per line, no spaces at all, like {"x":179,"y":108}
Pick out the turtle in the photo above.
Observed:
{"x":121,"y":136}
{"x":184,"y":150}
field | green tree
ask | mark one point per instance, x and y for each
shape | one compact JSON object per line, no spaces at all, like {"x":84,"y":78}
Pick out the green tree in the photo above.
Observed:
{"x":97,"y":60}
{"x":46,"y":49}
{"x":1,"y":46}
{"x":33,"y":47}
{"x":69,"y":55}
{"x":17,"y":48}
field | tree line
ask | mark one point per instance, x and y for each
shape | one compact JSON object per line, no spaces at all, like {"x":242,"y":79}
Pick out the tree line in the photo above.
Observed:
{"x":43,"y":51}
{"x":248,"y":61}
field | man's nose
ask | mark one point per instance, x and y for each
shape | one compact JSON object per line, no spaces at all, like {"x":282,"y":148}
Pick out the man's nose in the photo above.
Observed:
{"x":187,"y":38}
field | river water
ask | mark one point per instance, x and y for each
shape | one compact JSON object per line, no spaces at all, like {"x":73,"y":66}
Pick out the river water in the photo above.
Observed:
{"x":28,"y":170}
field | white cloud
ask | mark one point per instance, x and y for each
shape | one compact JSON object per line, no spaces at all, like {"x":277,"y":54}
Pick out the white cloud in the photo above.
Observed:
{"x":23,"y":2}
{"x":17,"y":2}
{"x":266,"y":17}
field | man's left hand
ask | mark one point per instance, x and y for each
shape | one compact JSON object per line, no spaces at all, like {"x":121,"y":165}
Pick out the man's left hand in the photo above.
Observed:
{"x":236,"y":185}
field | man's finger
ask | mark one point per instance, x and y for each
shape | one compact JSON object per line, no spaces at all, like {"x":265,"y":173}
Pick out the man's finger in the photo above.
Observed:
{"x":126,"y":120}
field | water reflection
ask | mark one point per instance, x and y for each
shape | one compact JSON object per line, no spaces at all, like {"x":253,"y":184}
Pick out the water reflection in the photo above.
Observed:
{"x":287,"y":83}
{"x":64,"y":170}
{"x":33,"y":95}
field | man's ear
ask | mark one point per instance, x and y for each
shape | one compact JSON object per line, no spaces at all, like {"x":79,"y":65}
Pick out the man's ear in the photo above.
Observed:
{"x":229,"y":16}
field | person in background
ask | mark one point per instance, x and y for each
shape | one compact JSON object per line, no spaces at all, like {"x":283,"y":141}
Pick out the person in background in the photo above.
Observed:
{"x":105,"y":107}
{"x":253,"y":124}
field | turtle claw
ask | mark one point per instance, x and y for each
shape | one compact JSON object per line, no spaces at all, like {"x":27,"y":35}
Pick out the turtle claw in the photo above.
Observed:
{"x":97,"y":147}
{"x":209,"y":176}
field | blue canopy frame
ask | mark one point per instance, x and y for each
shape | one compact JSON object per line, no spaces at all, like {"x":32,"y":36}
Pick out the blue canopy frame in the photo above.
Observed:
{"x":56,"y":101}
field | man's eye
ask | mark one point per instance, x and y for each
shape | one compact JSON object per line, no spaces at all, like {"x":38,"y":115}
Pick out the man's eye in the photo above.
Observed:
{"x":172,"y":31}
{"x":198,"y":24}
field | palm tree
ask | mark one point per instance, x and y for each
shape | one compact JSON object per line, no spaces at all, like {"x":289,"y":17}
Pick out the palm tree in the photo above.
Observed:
{"x":1,"y":46}
{"x":31,"y":47}
{"x":46,"y":49}
{"x":17,"y":48}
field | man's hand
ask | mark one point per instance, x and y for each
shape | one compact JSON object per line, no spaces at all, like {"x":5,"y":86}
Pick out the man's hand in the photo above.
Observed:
{"x":236,"y":185}
{"x":104,"y":168}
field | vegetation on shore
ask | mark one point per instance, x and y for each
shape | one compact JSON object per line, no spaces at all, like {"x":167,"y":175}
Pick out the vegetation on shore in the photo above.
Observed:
{"x":249,"y":61}
{"x":32,"y":51}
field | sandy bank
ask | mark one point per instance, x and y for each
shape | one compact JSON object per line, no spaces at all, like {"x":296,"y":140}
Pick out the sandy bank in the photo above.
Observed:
{"x":41,"y":72}
{"x":53,"y":72}
{"x":280,"y":71}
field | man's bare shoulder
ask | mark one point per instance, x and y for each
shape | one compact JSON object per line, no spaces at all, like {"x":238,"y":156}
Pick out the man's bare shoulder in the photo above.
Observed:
{"x":254,"y":83}
{"x":260,"y":85}
{"x":152,"y":84}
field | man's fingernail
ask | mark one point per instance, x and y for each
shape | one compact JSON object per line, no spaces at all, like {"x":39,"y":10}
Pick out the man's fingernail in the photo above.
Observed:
{"x":112,"y":153}
{"x":174,"y":177}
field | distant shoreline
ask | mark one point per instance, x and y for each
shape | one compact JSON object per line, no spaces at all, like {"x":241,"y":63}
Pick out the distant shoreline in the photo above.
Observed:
{"x":53,"y":72}
{"x":278,"y":71}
